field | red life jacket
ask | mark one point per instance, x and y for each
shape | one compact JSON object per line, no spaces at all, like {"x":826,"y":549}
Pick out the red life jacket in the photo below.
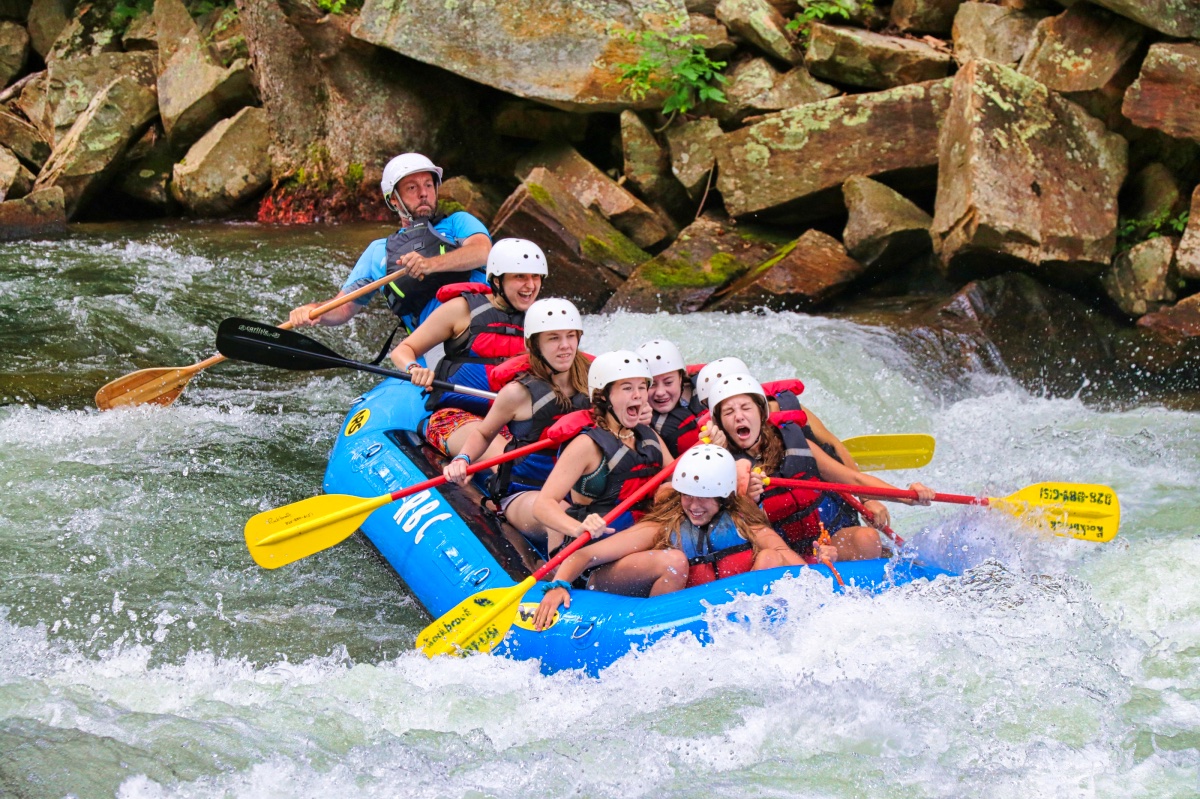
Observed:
{"x":677,"y":427}
{"x":786,"y":393}
{"x":793,"y":511}
{"x":492,"y":337}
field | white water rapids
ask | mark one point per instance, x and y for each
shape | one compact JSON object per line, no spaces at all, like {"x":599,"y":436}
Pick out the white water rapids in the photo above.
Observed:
{"x":143,"y":654}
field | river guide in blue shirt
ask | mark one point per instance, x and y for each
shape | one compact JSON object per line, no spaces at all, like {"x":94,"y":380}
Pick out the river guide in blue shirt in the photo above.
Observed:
{"x":434,"y":251}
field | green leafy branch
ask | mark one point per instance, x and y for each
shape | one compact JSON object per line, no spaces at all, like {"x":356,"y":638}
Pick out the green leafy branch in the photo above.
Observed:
{"x":1134,"y":231}
{"x":673,"y":61}
{"x":815,"y":10}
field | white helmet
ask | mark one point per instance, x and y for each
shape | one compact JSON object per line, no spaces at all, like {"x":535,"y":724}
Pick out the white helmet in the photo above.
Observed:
{"x":731,"y":386}
{"x":551,"y":314}
{"x":721,"y":367}
{"x":516,"y":257}
{"x":705,"y":470}
{"x":617,"y":365}
{"x":661,"y":356}
{"x":404,"y":165}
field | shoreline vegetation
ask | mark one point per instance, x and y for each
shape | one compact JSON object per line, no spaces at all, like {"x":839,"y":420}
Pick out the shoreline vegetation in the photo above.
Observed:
{"x":1018,"y":177}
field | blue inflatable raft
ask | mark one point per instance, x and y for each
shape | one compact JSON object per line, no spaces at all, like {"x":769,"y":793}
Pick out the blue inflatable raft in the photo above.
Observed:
{"x":445,"y":547}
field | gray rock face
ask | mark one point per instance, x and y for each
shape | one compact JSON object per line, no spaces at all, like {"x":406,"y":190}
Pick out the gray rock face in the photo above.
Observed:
{"x":1026,"y":179}
{"x":647,"y":165}
{"x":1081,"y":49}
{"x":1164,"y":95}
{"x":1143,"y":278}
{"x":560,"y":52}
{"x":707,"y":255}
{"x":15,"y":179}
{"x":39,"y":213}
{"x":47,"y":18}
{"x":811,"y":271}
{"x":194,"y":93}
{"x":24,"y":140}
{"x":760,"y":24}
{"x":14,"y":49}
{"x":227,"y":167}
{"x":88,"y":155}
{"x":1180,"y":18}
{"x":692,"y":155}
{"x":924,"y":16}
{"x":862,"y":58}
{"x":794,"y":160}
{"x":72,"y":83}
{"x":884,"y":228}
{"x":757,"y":87}
{"x":88,"y":32}
{"x":146,"y":176}
{"x":1188,"y":255}
{"x":982,"y":30}
{"x":586,"y":256}
{"x":593,"y":189}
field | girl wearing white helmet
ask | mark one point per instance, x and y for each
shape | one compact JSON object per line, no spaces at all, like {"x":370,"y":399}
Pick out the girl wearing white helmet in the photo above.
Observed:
{"x":428,"y":252}
{"x":608,"y":460}
{"x":689,"y":537}
{"x":552,"y":383}
{"x":779,"y":448}
{"x":479,"y":331}
{"x":673,"y":418}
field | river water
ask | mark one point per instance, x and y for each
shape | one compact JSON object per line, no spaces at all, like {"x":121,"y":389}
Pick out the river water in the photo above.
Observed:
{"x":143,"y":654}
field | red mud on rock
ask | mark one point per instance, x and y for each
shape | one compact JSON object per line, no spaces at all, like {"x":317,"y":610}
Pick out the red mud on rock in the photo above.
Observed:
{"x":314,"y":205}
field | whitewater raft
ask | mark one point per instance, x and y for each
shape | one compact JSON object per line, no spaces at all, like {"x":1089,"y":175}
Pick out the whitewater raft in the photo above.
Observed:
{"x":445,"y":547}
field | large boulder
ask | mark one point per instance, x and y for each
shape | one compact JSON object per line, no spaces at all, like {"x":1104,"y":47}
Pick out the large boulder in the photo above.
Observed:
{"x":1188,"y":255}
{"x":1164,"y":95}
{"x":716,"y":43}
{"x":89,"y":154}
{"x":560,"y":52}
{"x":791,"y":163}
{"x":1026,"y":179}
{"x":760,"y":24}
{"x":883,"y":227}
{"x":1143,"y":278}
{"x":983,"y":30}
{"x":647,"y":164}
{"x":862,"y":58}
{"x":586,"y":256}
{"x":1177,"y":326}
{"x":807,"y":273}
{"x":72,"y":83}
{"x":146,"y":176}
{"x":756,"y":86}
{"x":463,"y":194}
{"x":23,"y":139}
{"x":692,"y":155}
{"x":706,"y":256}
{"x":593,"y":189}
{"x":39,"y":213}
{"x":88,"y":32}
{"x":924,"y":16}
{"x":15,"y":179}
{"x":46,"y":20}
{"x":228,"y":166}
{"x":1180,"y":18}
{"x":1081,"y":49}
{"x":14,"y":50}
{"x":1013,"y":325}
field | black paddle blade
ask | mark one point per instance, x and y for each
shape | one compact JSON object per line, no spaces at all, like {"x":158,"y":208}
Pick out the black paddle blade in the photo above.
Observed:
{"x":257,"y":342}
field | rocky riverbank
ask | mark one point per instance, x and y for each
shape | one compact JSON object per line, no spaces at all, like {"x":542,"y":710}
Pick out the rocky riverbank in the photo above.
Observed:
{"x":1028,"y":167}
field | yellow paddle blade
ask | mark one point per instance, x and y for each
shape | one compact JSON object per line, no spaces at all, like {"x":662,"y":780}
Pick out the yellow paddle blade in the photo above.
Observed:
{"x":476,"y":624}
{"x":277,"y":537}
{"x":894,"y":451}
{"x":1080,"y":510}
{"x":159,"y":386}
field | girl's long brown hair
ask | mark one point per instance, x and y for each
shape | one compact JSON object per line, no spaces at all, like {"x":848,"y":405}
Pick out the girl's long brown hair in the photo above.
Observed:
{"x":771,"y":452}
{"x":541,"y":370}
{"x":668,"y":515}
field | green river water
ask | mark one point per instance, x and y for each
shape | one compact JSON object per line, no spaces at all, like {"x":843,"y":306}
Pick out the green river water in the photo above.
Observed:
{"x":143,"y":654}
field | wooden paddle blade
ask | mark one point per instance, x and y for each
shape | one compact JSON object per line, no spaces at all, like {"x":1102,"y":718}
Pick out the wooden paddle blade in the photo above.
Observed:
{"x":1080,"y":510}
{"x":894,"y":451}
{"x":158,"y":386}
{"x":280,"y":536}
{"x":476,"y":624}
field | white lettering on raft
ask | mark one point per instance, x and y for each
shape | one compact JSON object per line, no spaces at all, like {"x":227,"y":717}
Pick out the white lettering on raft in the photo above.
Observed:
{"x":423,"y":504}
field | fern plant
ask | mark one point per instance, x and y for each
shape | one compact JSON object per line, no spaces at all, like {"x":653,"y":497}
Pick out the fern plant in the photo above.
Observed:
{"x":673,"y":61}
{"x":816,"y":10}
